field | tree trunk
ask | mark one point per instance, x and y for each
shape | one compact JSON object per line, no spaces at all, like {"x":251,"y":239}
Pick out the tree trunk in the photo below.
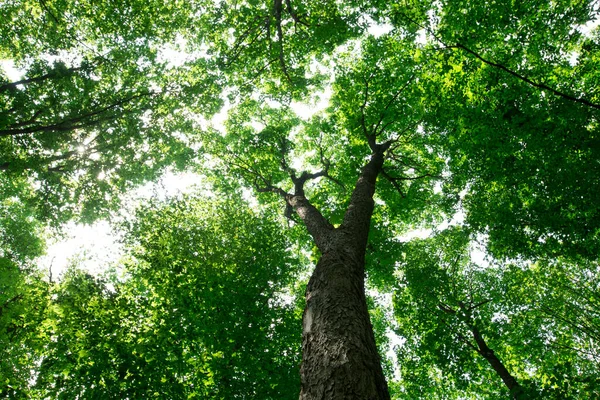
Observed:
{"x":511,"y":383}
{"x":339,"y":355}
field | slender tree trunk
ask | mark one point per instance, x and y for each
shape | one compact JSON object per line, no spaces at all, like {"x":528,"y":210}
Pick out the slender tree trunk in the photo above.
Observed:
{"x":510,"y":381}
{"x":481,"y":347}
{"x":339,"y":355}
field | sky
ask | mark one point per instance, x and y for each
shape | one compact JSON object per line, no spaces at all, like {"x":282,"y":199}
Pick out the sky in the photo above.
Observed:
{"x":96,"y":246}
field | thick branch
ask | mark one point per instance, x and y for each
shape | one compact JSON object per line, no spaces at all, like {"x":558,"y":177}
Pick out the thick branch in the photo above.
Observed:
{"x":38,"y":163}
{"x":304,"y":177}
{"x":30,"y":121}
{"x":357,"y":218}
{"x":63,"y":126}
{"x":43,"y":162}
{"x":489,"y":355}
{"x":317,"y":225}
{"x":482,"y":348}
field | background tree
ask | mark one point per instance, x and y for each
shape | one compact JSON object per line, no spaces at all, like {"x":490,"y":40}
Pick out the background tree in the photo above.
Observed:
{"x":477,"y":325}
{"x":199,"y":310}
{"x":23,"y":294}
{"x":517,"y":111}
{"x":87,"y":120}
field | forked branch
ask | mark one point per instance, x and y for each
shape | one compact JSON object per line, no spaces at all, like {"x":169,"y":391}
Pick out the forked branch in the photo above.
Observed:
{"x":293,"y":14}
{"x":317,"y":225}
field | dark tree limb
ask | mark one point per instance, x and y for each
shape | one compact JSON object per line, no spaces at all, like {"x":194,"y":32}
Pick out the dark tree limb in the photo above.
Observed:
{"x":504,"y":68}
{"x":487,"y":353}
{"x":394,"y":183}
{"x":481,"y":346}
{"x":293,"y":14}
{"x":509,"y":381}
{"x":30,"y":121}
{"x":317,"y":225}
{"x":68,"y":124}
{"x":254,"y":31}
{"x":357,"y":217}
{"x":363,"y":123}
{"x":50,"y":75}
{"x":524,"y":78}
{"x":449,"y":310}
{"x":327,"y":165}
{"x":277,"y":9}
{"x":589,"y":329}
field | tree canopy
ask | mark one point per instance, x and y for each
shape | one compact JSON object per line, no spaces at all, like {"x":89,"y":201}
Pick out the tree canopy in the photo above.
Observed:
{"x":474,"y":121}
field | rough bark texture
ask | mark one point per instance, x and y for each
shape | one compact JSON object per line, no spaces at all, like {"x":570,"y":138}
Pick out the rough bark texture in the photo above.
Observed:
{"x":339,"y":356}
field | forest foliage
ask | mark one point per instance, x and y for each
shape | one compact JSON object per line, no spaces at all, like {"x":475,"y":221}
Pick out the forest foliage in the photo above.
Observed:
{"x":492,"y":110}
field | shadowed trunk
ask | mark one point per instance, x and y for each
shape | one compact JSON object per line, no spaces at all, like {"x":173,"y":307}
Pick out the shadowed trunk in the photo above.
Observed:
{"x":511,"y":383}
{"x":481,"y":347}
{"x":339,"y":355}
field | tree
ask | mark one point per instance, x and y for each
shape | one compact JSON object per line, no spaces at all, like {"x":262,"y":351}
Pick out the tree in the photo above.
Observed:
{"x":480,"y":324}
{"x":195,"y":311}
{"x":340,"y":358}
{"x":23,"y":295}
{"x":517,"y":111}
{"x":486,"y":109}
{"x":86,"y":121}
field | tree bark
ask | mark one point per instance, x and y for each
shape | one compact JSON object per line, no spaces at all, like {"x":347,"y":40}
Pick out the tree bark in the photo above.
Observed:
{"x":339,"y":355}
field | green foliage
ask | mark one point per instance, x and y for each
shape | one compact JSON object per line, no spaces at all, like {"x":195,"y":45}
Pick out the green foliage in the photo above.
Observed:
{"x":270,"y":45}
{"x":508,"y":84}
{"x":541,"y":321}
{"x":23,"y":299}
{"x":492,"y":108}
{"x":198,"y":312}
{"x":87,"y":120}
